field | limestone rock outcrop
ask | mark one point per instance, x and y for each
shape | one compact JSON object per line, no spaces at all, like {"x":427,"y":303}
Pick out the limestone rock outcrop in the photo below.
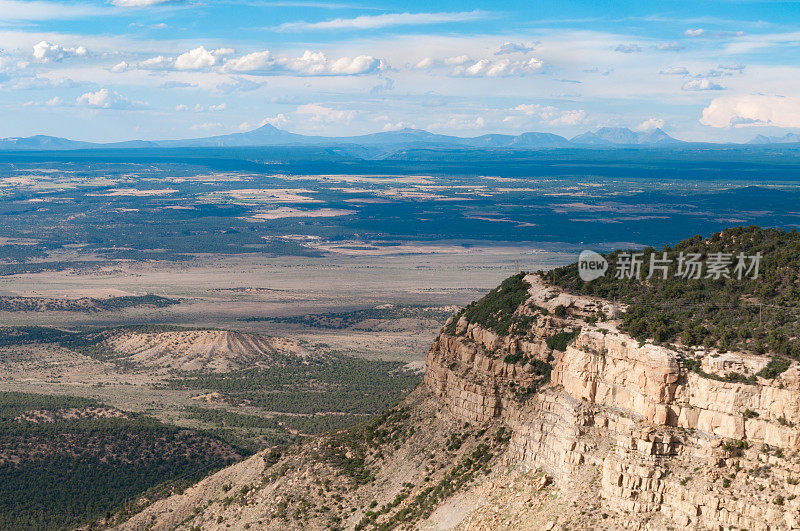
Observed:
{"x":687,"y":447}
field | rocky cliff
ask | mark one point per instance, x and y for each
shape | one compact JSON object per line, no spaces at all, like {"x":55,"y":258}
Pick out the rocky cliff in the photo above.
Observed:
{"x":676,"y":447}
{"x":543,"y":390}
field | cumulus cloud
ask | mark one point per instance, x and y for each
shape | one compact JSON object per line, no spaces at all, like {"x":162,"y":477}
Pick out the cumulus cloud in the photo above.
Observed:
{"x":752,"y":110}
{"x":628,"y":48}
{"x":196,"y":59}
{"x":55,"y":101}
{"x":515,"y":47}
{"x":551,"y":115}
{"x":317,"y":114}
{"x":701,"y":84}
{"x":156,"y":63}
{"x":107,"y":99}
{"x":120,"y":67}
{"x":383,"y":21}
{"x":45,"y":52}
{"x":650,"y":124}
{"x":497,"y":67}
{"x":252,"y":62}
{"x":674,"y":71}
{"x":310,"y":63}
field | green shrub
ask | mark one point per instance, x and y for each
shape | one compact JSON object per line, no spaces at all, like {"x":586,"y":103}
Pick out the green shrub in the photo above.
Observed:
{"x":562,"y":339}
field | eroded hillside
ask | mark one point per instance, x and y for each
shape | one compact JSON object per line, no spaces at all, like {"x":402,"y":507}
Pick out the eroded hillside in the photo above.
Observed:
{"x":536,"y":412}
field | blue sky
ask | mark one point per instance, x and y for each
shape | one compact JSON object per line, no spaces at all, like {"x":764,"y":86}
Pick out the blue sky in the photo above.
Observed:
{"x":155,"y":69}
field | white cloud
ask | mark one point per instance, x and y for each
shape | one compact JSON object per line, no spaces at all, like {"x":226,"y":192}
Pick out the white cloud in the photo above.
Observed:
{"x":674,"y":71}
{"x":278,"y":120}
{"x":701,"y":84}
{"x":425,"y":63}
{"x":107,"y":99}
{"x":219,"y":107}
{"x":317,"y":114}
{"x":456,"y":60}
{"x":650,"y":124}
{"x":385,"y":20}
{"x":120,"y":67}
{"x":310,"y":63}
{"x":55,"y":101}
{"x":700,"y":32}
{"x":196,"y":59}
{"x":252,"y":62}
{"x":498,"y":67}
{"x":156,"y":63}
{"x":515,"y":47}
{"x":550,"y":115}
{"x":752,"y":110}
{"x":628,"y":48}
{"x":44,"y":52}
{"x":573,"y":117}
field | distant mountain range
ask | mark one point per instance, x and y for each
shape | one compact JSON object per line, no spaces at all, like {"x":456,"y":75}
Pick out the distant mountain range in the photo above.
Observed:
{"x":268,"y":135}
{"x":788,"y":138}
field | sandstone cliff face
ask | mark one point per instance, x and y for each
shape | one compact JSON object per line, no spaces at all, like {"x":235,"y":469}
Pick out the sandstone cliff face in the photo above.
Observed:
{"x":675,"y":448}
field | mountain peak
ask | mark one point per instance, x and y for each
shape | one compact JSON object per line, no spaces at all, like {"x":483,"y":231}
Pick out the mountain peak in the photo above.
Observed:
{"x":609,"y":136}
{"x":268,"y":130}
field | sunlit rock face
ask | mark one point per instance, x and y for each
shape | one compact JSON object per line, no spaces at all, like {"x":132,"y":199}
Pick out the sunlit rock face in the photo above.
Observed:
{"x":692,"y":450}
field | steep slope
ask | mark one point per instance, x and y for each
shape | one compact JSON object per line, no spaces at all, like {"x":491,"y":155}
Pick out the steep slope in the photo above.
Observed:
{"x":532,"y":380}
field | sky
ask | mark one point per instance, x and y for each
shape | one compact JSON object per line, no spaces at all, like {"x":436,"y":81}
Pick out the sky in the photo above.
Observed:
{"x":116,"y":70}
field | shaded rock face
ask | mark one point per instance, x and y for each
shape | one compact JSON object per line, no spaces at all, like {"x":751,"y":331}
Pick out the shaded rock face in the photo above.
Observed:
{"x":671,"y":444}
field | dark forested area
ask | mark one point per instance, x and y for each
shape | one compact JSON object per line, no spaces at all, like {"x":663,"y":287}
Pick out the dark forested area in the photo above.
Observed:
{"x":760,"y":315}
{"x":62,"y":463}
